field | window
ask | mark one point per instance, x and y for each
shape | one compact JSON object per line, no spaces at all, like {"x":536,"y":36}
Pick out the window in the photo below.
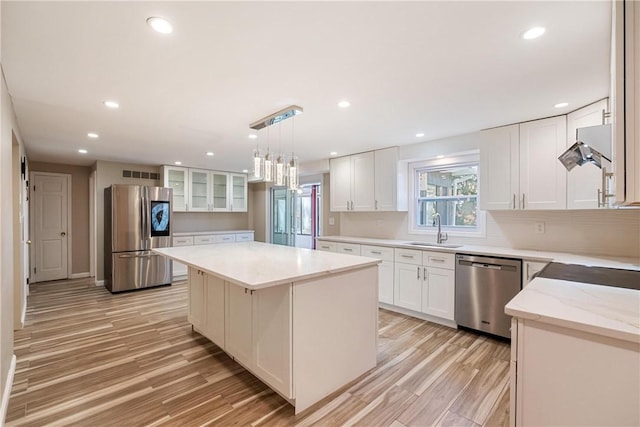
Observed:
{"x":448,"y":187}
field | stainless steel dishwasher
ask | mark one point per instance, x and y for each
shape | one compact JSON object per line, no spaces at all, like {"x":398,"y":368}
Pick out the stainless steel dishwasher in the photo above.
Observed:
{"x":484,"y":285}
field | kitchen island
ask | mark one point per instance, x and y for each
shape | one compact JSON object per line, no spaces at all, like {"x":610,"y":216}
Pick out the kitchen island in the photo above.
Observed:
{"x":575,"y":354}
{"x":303,"y":321}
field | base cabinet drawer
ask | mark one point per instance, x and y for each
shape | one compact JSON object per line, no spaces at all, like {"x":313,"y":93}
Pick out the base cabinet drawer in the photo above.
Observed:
{"x":244,"y":237}
{"x":224,"y":238}
{"x":348,"y":248}
{"x":203,"y":240}
{"x":183,"y":241}
{"x":326,"y":246}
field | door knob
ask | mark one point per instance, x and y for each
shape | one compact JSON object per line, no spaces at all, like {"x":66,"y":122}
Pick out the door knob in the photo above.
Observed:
{"x":28,"y":242}
{"x":63,"y":234}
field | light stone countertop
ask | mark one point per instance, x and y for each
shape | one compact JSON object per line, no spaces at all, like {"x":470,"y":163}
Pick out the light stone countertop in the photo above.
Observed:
{"x":602,"y":310}
{"x":256,"y":265}
{"x":525,"y":254}
{"x":206,"y":233}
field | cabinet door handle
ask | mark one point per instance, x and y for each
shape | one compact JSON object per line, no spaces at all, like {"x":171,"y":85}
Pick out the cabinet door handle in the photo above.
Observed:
{"x":424,"y":273}
{"x":186,"y":206}
{"x":418,"y":270}
{"x":437,"y":259}
{"x":352,"y":205}
{"x":376,"y":205}
{"x":347,"y":249}
{"x":407,"y":256}
{"x":376,"y":252}
{"x":513,"y":205}
{"x":522,"y":200}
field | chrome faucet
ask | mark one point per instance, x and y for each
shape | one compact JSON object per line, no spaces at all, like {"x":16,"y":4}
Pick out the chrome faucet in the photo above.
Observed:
{"x":440,"y":237}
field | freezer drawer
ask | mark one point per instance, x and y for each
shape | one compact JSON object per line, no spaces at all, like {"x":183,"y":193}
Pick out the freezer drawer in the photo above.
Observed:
{"x":137,"y":270}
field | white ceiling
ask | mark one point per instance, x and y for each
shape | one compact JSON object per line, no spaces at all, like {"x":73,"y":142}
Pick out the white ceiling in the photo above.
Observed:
{"x":441,"y":68}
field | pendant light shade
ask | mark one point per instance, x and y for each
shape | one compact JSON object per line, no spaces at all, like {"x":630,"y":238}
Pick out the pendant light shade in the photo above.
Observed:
{"x":280,"y":172}
{"x":268,"y":167}
{"x":258,"y":162}
{"x":293,"y":172}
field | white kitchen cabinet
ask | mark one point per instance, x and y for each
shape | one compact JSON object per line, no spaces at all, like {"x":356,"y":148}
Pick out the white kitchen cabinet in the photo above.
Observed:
{"x":178,"y":179}
{"x":238,"y":192}
{"x":326,"y":246}
{"x":348,"y":248}
{"x":200,"y":190}
{"x":530,"y":269}
{"x":180,"y":269}
{"x":519,"y":167}
{"x":224,"y":238}
{"x":238,"y":324}
{"x":244,"y":237}
{"x":543,"y":179}
{"x":584,"y":184}
{"x":385,"y":270}
{"x":407,"y":292}
{"x":561,"y":377}
{"x":219,"y":191}
{"x":625,"y":100}
{"x":499,"y":168}
{"x":258,"y":326}
{"x":272,"y":328}
{"x":196,"y":315}
{"x":206,"y":305}
{"x":425,"y":282}
{"x":340,"y":184}
{"x":366,"y":182}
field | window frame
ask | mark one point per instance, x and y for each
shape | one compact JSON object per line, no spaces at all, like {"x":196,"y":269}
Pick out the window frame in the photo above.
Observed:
{"x":449,"y":162}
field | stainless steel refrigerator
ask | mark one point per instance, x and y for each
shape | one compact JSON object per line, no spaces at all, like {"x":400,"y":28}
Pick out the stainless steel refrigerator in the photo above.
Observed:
{"x":137,"y":218}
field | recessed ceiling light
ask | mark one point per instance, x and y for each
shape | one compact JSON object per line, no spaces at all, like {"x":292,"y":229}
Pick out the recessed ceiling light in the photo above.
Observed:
{"x":440,"y":157}
{"x":533,"y":33}
{"x":561,"y":105}
{"x":177,"y":163}
{"x":92,"y":135}
{"x":419,"y":135}
{"x":252,"y":136}
{"x":344,"y":104}
{"x":111,"y":104}
{"x":245,"y":170}
{"x":209,"y":153}
{"x":82,"y":151}
{"x":161,"y":25}
{"x":333,"y":153}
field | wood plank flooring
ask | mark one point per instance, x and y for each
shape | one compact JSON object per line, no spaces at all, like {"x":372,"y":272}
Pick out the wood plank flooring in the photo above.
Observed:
{"x":90,"y":358}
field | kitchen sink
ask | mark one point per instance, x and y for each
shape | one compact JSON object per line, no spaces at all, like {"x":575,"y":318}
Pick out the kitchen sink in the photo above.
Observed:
{"x":434,"y":245}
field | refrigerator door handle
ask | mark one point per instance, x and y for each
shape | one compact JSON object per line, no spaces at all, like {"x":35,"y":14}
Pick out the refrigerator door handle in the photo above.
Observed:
{"x":143,"y":255}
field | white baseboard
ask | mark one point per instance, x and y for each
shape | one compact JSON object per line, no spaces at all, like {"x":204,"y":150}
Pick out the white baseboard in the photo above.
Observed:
{"x":423,"y":316}
{"x":99,"y":282}
{"x":80,"y":275}
{"x":7,"y":390}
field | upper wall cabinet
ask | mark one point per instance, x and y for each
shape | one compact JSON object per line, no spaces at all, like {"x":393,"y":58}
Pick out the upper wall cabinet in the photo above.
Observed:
{"x":519,"y":167}
{"x":201,"y":190}
{"x":366,"y":182}
{"x":625,"y":100}
{"x":584,"y":184}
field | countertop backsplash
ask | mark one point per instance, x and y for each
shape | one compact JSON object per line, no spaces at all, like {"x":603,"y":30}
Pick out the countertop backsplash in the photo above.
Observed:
{"x":612,"y":232}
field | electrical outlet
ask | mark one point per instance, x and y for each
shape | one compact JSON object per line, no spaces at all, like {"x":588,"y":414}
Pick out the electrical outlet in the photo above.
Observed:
{"x":332,"y":221}
{"x":539,"y":227}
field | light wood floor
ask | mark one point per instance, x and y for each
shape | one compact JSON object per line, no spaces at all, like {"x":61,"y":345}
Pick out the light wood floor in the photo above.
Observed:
{"x":89,"y":358}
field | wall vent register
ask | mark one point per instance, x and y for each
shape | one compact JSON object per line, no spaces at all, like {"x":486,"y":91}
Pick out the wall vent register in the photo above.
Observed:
{"x":140,"y":175}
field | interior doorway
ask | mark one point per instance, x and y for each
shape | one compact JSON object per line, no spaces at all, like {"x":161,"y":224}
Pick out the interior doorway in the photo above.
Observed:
{"x":51,"y":226}
{"x":295,"y":216}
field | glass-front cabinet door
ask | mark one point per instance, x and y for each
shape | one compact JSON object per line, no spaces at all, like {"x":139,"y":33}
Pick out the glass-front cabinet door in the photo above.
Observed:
{"x":178,"y":179}
{"x":220,"y":191}
{"x":199,"y":183}
{"x":238,"y":192}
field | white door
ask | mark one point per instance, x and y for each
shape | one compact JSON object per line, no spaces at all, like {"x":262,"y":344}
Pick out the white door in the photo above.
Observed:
{"x":385,"y":282}
{"x":196,"y":298}
{"x":543,"y":179}
{"x":237,"y":324}
{"x":438,"y":292}
{"x":214,"y":303}
{"x":51,"y":226}
{"x":585,"y":182}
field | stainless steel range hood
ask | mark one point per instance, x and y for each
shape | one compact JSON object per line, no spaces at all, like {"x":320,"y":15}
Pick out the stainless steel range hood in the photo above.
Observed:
{"x":592,"y":144}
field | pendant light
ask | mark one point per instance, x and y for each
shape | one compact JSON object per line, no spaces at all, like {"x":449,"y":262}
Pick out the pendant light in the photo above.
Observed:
{"x":292,"y":168}
{"x":284,"y":171}
{"x":268,"y":163}
{"x":280,"y":166}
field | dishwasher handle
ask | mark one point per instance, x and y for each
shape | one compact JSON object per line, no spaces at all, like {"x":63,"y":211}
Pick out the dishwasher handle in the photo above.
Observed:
{"x":490,"y":266}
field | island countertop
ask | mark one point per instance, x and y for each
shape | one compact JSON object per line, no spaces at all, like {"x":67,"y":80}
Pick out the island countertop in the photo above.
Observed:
{"x":257,"y":265}
{"x":603,"y":310}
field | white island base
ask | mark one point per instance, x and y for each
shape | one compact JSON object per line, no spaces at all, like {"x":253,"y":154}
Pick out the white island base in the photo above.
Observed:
{"x":305,"y":336}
